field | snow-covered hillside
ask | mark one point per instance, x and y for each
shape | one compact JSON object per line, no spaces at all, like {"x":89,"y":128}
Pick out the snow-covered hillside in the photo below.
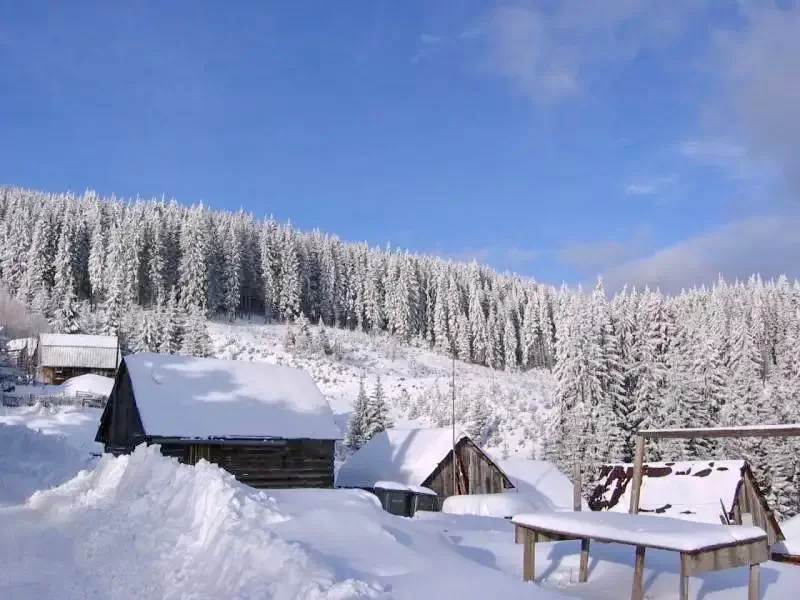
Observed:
{"x":503,"y":410}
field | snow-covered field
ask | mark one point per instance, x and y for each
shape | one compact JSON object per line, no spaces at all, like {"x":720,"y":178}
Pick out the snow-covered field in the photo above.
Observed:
{"x":518,"y":402}
{"x":144,"y":526}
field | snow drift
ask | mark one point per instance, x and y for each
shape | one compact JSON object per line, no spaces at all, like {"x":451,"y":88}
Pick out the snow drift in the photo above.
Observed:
{"x":31,"y":461}
{"x":150,"y":527}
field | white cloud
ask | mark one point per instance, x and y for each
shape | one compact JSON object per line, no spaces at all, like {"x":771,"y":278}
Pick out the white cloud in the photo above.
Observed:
{"x":427,"y":38}
{"x":769,"y":246}
{"x":648,"y":186}
{"x":500,"y":257}
{"x":594,"y":255}
{"x":550,"y":51}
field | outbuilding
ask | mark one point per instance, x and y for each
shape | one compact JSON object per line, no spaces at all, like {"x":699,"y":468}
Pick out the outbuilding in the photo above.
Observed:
{"x":269,"y":425}
{"x":424,"y":457}
{"x":61,"y":356}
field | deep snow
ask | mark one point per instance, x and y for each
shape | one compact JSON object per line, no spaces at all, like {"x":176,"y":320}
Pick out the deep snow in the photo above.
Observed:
{"x":146,"y":527}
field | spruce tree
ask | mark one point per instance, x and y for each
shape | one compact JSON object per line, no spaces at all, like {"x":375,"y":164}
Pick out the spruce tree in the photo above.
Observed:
{"x":377,"y":414}
{"x":356,"y":432}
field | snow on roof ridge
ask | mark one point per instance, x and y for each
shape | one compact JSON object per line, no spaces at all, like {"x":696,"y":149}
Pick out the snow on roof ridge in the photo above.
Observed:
{"x":84,"y":340}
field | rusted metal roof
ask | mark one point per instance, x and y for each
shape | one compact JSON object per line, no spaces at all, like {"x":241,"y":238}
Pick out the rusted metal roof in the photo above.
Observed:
{"x":78,"y":350}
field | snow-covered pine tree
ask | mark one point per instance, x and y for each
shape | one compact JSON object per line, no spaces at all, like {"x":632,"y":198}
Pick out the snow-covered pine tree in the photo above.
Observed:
{"x":196,"y":341}
{"x":377,"y":415}
{"x":270,"y":268}
{"x":194,"y":267}
{"x":356,"y":430}
{"x":172,"y":325}
{"x":289,"y":294}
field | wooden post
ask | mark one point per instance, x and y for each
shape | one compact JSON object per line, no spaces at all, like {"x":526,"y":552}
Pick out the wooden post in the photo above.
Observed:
{"x":529,"y":556}
{"x":583,"y":574}
{"x":684,"y":583}
{"x":636,"y":484}
{"x":754,"y":585}
{"x":576,"y":487}
{"x":638,"y":575}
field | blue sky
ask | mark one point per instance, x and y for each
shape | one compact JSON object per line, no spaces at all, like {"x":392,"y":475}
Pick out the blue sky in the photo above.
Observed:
{"x":652,"y":142}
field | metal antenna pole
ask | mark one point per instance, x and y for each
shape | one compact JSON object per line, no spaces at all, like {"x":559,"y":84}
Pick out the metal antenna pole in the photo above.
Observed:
{"x":453,"y":423}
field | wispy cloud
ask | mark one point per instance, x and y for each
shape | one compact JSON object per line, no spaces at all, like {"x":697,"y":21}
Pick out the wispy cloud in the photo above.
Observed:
{"x":603,"y":254}
{"x":648,"y":186}
{"x":428,"y":38}
{"x":768,"y":245}
{"x":551,"y":51}
{"x":732,"y":157}
{"x":500,"y":257}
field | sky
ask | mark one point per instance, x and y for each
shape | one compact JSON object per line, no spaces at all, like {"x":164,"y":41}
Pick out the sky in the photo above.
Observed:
{"x":649,"y":142}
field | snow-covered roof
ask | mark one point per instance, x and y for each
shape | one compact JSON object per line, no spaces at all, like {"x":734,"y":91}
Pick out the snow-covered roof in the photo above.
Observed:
{"x":401,"y":487}
{"x":78,"y":350}
{"x":791,"y":530}
{"x":646,"y":530}
{"x":687,"y":490}
{"x":406,"y":456}
{"x":541,"y":483}
{"x":189,"y":397}
{"x":88,"y":384}
{"x":506,"y":504}
{"x":19,"y":344}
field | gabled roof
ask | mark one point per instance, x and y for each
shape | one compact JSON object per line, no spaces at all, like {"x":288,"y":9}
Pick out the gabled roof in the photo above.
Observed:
{"x":542,"y":484}
{"x":189,"y":397}
{"x":78,"y":350}
{"x":685,"y":489}
{"x":406,"y":456}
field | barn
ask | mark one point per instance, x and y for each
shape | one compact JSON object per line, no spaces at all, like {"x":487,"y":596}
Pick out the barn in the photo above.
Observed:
{"x":60,"y":356}
{"x":705,"y":491}
{"x":424,"y":457}
{"x":268,"y":425}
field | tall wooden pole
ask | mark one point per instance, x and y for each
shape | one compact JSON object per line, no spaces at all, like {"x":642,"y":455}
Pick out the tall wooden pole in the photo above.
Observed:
{"x":638,"y":465}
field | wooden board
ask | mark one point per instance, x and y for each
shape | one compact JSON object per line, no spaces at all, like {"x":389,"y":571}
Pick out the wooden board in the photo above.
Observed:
{"x":728,"y":557}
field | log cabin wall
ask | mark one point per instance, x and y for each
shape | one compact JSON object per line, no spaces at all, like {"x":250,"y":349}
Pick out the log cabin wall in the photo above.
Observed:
{"x":284,"y":464}
{"x":475,"y":473}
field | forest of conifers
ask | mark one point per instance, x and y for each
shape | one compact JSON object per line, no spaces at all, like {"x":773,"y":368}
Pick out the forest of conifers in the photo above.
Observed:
{"x":151,"y":270}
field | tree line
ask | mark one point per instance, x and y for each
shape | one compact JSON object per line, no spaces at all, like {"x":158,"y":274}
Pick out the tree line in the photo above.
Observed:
{"x":153,"y":270}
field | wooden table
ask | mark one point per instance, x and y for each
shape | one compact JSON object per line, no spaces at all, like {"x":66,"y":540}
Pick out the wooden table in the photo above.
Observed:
{"x":703,"y":547}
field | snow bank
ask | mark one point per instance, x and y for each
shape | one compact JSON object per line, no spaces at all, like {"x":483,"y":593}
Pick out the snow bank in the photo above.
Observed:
{"x":31,"y":461}
{"x":158,"y":529}
{"x":488,"y":505}
{"x":88,"y":384}
{"x":791,"y":531}
{"x":541,"y":483}
{"x":77,"y":425}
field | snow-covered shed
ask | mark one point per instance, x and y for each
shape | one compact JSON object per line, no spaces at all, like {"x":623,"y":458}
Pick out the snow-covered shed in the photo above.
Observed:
{"x":269,"y":425}
{"x":541,"y":484}
{"x":705,"y":491}
{"x":424,"y":457}
{"x":21,"y":352}
{"x":60,"y":356}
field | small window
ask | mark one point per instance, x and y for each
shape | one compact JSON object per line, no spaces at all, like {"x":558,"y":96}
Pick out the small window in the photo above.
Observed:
{"x":426,"y":502}
{"x":397,"y":503}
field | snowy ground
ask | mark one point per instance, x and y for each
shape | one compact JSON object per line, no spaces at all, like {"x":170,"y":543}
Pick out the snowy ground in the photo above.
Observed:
{"x":146,"y":527}
{"x":519,"y":401}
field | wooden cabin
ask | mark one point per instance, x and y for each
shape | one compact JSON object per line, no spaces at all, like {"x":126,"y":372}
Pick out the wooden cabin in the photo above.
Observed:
{"x":721,"y":491}
{"x":424,"y":457}
{"x":60,"y":356}
{"x":268,"y":425}
{"x":22,"y":353}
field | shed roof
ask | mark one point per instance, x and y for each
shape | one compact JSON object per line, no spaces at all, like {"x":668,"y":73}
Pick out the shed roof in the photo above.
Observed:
{"x":200,"y":398}
{"x":78,"y":350}
{"x":686,"y":489}
{"x":542,"y":484}
{"x":407,"y":456}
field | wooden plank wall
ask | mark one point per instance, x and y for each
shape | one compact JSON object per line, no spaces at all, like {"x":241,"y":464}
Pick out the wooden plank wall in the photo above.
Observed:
{"x":298,"y":463}
{"x":482,"y":476}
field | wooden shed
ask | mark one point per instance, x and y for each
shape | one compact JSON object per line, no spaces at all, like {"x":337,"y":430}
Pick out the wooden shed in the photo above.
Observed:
{"x":61,"y":356}
{"x":424,"y":457}
{"x":268,"y":425}
{"x":722,"y":491}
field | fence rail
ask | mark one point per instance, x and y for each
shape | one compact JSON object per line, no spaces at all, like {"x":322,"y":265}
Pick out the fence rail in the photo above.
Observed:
{"x":80,"y":399}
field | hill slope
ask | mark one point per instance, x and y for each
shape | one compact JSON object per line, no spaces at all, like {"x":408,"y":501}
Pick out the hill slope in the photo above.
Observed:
{"x":504,"y":410}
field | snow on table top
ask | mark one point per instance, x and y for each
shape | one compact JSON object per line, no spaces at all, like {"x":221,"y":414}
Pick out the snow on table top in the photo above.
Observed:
{"x":541,"y":483}
{"x":506,"y":504}
{"x":646,"y":530}
{"x":689,"y":490}
{"x":180,"y":396}
{"x":406,"y":456}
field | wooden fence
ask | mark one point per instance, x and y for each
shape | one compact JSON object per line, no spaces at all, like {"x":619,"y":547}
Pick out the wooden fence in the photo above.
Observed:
{"x":81,"y":399}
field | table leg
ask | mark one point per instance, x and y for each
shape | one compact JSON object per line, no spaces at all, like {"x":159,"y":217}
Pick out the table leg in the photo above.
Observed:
{"x":583,"y":574}
{"x":529,"y":556}
{"x":684,"y":591}
{"x":754,"y":585}
{"x":638,"y":575}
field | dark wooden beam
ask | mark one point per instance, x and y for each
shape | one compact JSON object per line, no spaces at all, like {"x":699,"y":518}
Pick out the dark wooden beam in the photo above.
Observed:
{"x":792,"y":430}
